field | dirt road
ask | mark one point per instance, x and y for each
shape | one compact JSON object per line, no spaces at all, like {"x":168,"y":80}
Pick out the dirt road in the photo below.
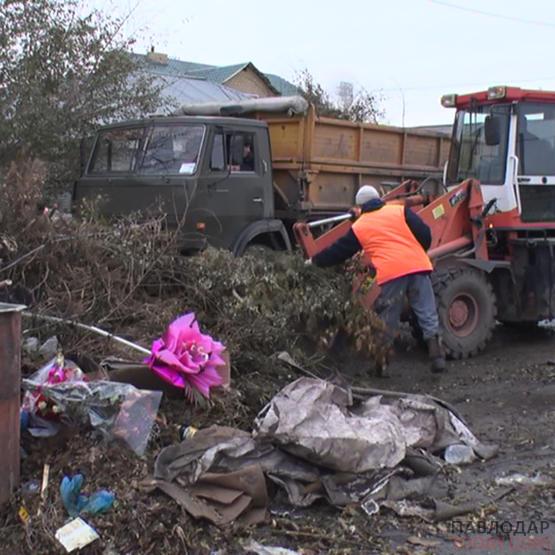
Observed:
{"x":507,"y":396}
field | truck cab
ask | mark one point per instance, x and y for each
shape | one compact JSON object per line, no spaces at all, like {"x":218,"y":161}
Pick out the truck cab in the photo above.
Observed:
{"x":210,"y":176}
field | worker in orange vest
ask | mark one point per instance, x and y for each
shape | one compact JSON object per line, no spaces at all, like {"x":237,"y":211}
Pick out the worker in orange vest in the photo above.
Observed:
{"x":396,"y":240}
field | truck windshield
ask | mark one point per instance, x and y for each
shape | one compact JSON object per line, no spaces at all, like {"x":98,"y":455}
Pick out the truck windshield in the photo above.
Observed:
{"x":471,"y":156}
{"x":172,"y":149}
{"x":116,"y":150}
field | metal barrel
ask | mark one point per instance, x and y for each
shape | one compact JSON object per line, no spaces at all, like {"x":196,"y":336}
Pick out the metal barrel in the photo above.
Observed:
{"x":331,"y":220}
{"x":10,"y":383}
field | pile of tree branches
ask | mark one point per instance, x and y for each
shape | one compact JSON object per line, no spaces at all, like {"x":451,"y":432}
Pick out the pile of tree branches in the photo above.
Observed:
{"x":129,"y":278}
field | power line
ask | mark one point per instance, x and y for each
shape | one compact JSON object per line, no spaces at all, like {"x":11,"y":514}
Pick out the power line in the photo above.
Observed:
{"x":492,"y":14}
{"x":506,"y":82}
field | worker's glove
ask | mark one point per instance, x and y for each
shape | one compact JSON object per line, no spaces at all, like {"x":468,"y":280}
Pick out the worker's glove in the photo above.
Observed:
{"x":354,"y":212}
{"x":308,"y":262}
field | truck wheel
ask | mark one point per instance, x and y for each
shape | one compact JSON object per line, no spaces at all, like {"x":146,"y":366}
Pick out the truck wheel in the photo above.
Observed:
{"x":467,"y":308}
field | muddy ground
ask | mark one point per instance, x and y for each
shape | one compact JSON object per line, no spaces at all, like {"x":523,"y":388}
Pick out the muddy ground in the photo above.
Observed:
{"x":507,"y":396}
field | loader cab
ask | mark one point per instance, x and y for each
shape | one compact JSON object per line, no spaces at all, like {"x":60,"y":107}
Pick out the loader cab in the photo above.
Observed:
{"x":505,"y":138}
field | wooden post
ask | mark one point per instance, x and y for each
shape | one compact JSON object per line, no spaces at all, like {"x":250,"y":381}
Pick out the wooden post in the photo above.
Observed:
{"x":403,"y":147}
{"x":10,"y":383}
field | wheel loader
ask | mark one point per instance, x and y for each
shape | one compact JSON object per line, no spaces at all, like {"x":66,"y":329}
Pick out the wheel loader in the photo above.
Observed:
{"x":493,"y":224}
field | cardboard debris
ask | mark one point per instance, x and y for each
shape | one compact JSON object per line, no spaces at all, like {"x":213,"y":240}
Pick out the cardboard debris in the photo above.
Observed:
{"x":222,"y":498}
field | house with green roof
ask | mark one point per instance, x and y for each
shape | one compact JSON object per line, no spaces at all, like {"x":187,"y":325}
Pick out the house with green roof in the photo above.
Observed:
{"x":189,"y":82}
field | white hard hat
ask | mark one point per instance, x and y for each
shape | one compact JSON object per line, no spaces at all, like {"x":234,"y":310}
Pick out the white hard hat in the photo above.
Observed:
{"x":365,"y":194}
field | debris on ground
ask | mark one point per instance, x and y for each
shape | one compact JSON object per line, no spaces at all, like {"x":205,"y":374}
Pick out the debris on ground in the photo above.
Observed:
{"x":518,"y":479}
{"x":312,"y":443}
{"x":77,"y":503}
{"x":459,"y":454}
{"x":60,"y":393}
{"x":76,"y":534}
{"x":254,"y":547}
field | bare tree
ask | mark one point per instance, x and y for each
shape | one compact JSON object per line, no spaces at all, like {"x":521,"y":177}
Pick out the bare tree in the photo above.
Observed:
{"x":354,"y":105}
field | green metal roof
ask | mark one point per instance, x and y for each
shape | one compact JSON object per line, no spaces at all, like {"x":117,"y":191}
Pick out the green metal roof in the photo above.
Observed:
{"x":284,"y":87}
{"x":172,"y":68}
{"x":216,"y":74}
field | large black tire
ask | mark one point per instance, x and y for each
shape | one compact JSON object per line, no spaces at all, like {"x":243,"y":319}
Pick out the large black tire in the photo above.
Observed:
{"x":467,"y":308}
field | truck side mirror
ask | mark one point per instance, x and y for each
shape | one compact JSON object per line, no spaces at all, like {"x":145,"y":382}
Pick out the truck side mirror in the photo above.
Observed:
{"x":492,"y":130}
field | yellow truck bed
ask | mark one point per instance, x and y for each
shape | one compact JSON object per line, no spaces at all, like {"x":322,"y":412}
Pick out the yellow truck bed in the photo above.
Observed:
{"x":320,"y":162}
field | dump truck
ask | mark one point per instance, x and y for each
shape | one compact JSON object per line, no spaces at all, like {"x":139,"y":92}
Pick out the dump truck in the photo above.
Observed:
{"x":493,"y":225}
{"x":240,"y":175}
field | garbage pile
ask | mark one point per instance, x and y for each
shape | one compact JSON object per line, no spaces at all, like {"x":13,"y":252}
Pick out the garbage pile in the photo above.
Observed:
{"x":313,"y":443}
{"x":310,"y":444}
{"x":59,"y":392}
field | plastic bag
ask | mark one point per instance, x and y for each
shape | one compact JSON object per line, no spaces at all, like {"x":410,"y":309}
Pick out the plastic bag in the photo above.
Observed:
{"x":57,"y":370}
{"x":76,"y":503}
{"x":118,"y":410}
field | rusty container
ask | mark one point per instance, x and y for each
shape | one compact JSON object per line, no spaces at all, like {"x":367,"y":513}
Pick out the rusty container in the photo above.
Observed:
{"x":10,"y":383}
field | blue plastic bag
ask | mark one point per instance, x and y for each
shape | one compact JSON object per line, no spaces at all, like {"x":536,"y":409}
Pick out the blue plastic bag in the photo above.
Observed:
{"x":99,"y":502}
{"x":76,"y":503}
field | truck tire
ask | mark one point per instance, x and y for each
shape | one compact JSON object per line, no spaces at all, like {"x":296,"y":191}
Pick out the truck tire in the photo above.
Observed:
{"x":467,"y":308}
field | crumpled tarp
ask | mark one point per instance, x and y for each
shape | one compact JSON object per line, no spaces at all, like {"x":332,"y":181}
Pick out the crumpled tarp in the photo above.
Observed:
{"x":310,"y":419}
{"x":311,"y":442}
{"x":313,"y":419}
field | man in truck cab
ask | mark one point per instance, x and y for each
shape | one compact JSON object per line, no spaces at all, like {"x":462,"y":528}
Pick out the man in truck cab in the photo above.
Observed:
{"x":396,"y":240}
{"x":247,"y":164}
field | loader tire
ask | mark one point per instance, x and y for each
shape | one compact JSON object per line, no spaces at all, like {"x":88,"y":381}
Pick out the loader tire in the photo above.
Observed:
{"x":466,"y":306}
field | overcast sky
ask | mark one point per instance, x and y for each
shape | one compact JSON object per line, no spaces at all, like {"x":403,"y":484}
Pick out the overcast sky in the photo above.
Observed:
{"x":408,"y":51}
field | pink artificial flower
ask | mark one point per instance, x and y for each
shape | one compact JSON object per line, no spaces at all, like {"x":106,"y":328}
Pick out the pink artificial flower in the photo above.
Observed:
{"x":187,"y":358}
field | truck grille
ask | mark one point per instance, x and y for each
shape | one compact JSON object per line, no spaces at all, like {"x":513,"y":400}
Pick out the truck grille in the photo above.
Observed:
{"x":538,"y":203}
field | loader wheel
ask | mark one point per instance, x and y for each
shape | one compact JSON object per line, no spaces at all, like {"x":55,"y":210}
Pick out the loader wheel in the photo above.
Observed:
{"x":467,"y":308}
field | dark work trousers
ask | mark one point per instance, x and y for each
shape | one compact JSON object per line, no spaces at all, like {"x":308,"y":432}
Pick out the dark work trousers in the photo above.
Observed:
{"x":418,"y":289}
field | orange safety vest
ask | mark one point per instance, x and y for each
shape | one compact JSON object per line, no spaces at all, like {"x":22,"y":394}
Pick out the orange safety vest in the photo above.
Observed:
{"x":387,"y":239}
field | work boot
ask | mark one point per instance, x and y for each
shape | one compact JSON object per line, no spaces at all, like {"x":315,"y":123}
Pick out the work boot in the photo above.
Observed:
{"x":436,"y":354}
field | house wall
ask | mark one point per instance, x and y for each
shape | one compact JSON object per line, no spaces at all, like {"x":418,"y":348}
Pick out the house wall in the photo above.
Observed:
{"x":249,"y":82}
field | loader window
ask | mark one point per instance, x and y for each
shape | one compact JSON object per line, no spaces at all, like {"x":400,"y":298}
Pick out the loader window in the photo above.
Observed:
{"x":116,"y":150}
{"x":471,"y":156}
{"x":536,"y":139}
{"x":173,"y":149}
